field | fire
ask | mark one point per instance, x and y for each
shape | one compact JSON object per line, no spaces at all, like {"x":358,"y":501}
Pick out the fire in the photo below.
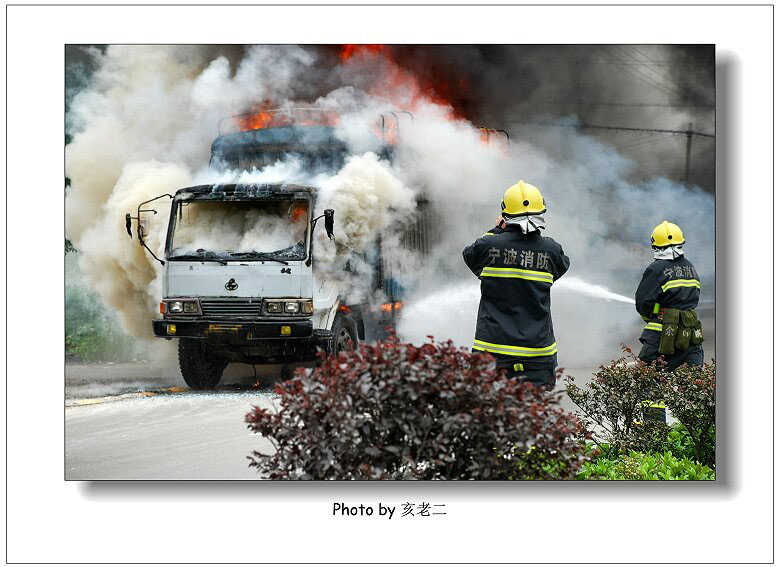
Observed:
{"x":349,"y":50}
{"x":403,"y":88}
{"x":392,"y":306}
{"x":264,"y":118}
{"x":255,"y":121}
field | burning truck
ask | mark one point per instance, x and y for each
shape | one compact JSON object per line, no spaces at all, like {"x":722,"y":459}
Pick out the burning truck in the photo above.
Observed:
{"x":239,"y":282}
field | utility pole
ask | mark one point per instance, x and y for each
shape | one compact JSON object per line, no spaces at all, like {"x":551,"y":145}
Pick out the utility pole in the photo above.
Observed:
{"x":689,"y":135}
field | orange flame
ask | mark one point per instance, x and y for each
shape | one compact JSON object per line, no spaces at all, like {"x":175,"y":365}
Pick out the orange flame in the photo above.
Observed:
{"x":389,"y":307}
{"x":255,"y":121}
{"x":276,"y":119}
{"x":415,"y":88}
{"x":349,"y":50}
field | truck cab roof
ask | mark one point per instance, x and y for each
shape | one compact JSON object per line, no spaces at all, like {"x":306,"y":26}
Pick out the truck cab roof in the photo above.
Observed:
{"x":245,"y":191}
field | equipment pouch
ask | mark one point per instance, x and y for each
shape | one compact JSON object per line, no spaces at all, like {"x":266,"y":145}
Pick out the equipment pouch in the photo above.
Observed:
{"x":697,"y":337}
{"x":671,"y":316}
{"x":689,"y":318}
{"x":684,"y":333}
{"x":682,"y":339}
{"x":669,"y":328}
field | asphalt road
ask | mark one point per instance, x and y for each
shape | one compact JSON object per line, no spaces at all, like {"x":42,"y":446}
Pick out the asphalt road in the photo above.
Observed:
{"x":138,"y":421}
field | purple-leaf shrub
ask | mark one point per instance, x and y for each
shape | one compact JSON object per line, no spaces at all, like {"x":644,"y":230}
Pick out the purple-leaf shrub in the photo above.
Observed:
{"x":391,"y":410}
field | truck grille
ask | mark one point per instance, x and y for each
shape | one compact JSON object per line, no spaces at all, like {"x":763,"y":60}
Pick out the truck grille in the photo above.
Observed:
{"x":231,"y":308}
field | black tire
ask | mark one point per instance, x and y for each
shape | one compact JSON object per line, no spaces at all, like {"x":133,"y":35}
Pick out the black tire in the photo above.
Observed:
{"x":200,"y":368}
{"x":344,"y":335}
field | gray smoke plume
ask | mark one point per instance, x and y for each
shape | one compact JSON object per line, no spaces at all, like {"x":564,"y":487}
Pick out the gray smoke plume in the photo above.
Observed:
{"x":143,"y":122}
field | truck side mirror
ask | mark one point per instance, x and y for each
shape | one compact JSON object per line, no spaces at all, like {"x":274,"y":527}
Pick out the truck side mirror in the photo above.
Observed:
{"x":143,"y":224}
{"x":329,"y":222}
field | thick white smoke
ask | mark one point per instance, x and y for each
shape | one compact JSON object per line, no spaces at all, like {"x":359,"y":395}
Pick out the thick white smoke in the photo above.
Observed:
{"x":145,"y":124}
{"x":223,"y":227}
{"x":367,"y":195}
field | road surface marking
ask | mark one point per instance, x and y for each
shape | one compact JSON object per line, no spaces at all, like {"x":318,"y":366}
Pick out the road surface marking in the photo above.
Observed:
{"x":129,"y":395}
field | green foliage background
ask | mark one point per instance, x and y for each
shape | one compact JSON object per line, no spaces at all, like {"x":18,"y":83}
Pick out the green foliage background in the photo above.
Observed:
{"x":92,"y":333}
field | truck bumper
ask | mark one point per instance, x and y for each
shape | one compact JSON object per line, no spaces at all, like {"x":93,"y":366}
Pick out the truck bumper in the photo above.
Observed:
{"x":234,"y":331}
{"x":251,"y":341}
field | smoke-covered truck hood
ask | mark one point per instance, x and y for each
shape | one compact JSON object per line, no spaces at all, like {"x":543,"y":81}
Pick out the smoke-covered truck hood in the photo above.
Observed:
{"x":192,"y":278}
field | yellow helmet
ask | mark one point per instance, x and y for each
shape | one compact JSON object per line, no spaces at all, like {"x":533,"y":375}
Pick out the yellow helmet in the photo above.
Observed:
{"x":523,"y":199}
{"x":666,"y":234}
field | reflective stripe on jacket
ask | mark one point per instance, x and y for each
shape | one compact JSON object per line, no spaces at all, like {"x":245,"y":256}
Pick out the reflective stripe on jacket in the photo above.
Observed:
{"x":517,"y":271}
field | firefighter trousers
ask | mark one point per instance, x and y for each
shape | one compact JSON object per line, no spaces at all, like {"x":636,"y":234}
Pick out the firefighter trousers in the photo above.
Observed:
{"x":693,"y":355}
{"x":540,"y":377}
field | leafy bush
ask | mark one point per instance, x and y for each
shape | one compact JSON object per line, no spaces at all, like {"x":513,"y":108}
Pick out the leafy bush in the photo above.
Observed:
{"x":611,"y":405}
{"x":689,"y":393}
{"x":91,"y":334}
{"x":391,"y":410}
{"x":645,"y":466}
{"x":680,"y":442}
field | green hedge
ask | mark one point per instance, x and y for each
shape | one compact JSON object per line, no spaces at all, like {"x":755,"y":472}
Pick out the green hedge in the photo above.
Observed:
{"x":645,"y":466}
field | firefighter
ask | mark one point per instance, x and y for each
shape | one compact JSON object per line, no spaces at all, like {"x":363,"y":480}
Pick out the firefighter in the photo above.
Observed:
{"x":666,"y":299}
{"x":517,"y":267}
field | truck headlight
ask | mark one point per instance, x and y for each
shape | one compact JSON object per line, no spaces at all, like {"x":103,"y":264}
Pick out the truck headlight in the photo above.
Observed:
{"x":190,"y":306}
{"x":292,"y":307}
{"x":307,"y":306}
{"x":175,"y":307}
{"x":273,"y":306}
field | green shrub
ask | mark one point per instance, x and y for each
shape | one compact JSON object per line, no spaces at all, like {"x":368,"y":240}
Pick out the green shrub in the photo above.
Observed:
{"x":611,"y":405}
{"x":645,"y":466}
{"x":680,"y":442}
{"x":689,"y":393}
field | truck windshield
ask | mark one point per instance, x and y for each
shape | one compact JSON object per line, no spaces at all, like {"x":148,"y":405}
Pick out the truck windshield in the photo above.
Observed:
{"x":246,"y":230}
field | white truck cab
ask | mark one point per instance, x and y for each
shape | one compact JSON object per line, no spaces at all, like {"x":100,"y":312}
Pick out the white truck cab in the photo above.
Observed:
{"x":238,"y":283}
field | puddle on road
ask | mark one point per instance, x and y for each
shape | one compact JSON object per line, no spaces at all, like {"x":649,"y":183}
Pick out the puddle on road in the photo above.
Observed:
{"x":106,"y":382}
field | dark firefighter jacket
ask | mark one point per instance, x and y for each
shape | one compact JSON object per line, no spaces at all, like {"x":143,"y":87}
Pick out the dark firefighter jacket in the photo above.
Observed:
{"x":517,"y":271}
{"x":668,"y":283}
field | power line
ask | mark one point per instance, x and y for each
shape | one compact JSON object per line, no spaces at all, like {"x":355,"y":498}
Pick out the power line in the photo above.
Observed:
{"x":644,"y":143}
{"x":627,"y":104}
{"x":663,"y":78}
{"x":617,"y":128}
{"x":633,"y":63}
{"x":636,"y":73}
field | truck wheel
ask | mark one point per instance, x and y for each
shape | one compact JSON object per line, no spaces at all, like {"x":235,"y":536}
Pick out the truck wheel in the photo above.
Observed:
{"x":200,"y":368}
{"x":344,"y":335}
